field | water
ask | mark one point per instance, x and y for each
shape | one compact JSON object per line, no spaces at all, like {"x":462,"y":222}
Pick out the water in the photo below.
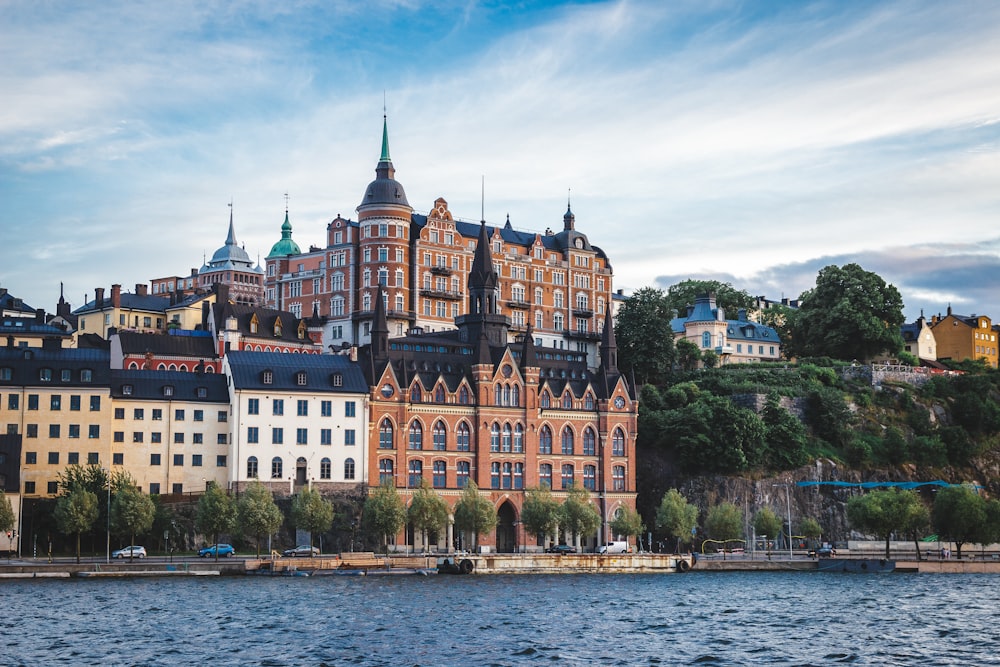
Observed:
{"x":693,"y":619}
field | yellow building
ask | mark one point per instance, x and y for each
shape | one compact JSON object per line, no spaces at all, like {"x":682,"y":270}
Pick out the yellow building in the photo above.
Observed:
{"x":960,"y":337}
{"x":123,"y":312}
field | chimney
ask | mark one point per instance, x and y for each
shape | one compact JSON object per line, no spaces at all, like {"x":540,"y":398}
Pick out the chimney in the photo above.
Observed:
{"x":141,"y":289}
{"x":40,"y":315}
{"x":116,"y":296}
{"x":98,"y":297}
{"x":51,"y":343}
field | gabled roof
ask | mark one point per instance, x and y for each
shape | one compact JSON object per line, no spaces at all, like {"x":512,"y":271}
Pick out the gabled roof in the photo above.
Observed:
{"x":26,"y":364}
{"x":175,"y":385}
{"x":144,"y":302}
{"x":247,"y":369}
{"x":266,"y":320}
{"x":167,"y":345}
{"x":14,"y":304}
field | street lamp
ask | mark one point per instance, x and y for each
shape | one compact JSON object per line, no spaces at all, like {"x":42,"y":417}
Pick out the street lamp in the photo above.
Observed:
{"x":788,"y":504}
{"x":108,"y":471}
{"x":20,"y":511}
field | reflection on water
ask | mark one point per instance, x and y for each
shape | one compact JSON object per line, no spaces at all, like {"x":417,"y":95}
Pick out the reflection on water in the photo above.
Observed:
{"x":693,"y":619}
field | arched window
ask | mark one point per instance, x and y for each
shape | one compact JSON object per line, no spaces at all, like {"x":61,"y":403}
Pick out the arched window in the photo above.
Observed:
{"x":348,"y":468}
{"x":588,"y":401}
{"x":706,"y":339}
{"x":276,"y":468}
{"x":515,"y":396}
{"x":545,"y":440}
{"x":385,"y":475}
{"x":440,"y":436}
{"x":518,"y":475}
{"x":506,"y":394}
{"x":252,"y":472}
{"x":518,"y":439}
{"x":589,"y":477}
{"x":567,"y":475}
{"x":546,"y":400}
{"x":545,"y":474}
{"x":462,"y":474}
{"x":618,"y":478}
{"x":385,"y":434}
{"x":416,"y":435}
{"x":567,"y":401}
{"x":415,"y":394}
{"x":440,"y":474}
{"x":507,"y":475}
{"x":567,"y":441}
{"x":495,"y":475}
{"x":505,"y":443}
{"x":462,"y":437}
{"x":325,"y":468}
{"x":416,"y":473}
{"x":498,"y":395}
{"x":589,"y":442}
{"x":463,"y":395}
{"x":495,"y":437}
{"x":439,"y":394}
{"x":618,"y":443}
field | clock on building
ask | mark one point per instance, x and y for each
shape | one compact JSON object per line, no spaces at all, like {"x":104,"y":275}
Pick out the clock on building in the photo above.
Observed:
{"x":619,"y":402}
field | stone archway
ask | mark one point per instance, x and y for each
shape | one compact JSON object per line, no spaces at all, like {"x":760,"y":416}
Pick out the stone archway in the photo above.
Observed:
{"x":506,"y":539}
{"x":300,"y":470}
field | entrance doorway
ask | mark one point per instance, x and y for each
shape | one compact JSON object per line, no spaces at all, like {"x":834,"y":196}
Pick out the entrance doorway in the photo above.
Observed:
{"x":506,"y":531}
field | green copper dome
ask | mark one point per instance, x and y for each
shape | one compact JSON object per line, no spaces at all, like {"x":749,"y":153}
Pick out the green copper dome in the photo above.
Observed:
{"x":286,"y":246}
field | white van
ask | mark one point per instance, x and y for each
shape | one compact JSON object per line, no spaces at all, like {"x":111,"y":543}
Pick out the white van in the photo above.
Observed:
{"x":614,"y":548}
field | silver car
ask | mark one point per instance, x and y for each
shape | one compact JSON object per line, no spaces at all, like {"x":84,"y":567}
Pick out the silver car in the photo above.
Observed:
{"x":130,"y":552}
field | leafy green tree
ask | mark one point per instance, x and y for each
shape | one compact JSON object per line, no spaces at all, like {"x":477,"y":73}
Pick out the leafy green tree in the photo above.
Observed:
{"x":98,"y":481}
{"x":540,"y":513}
{"x":474,"y":513}
{"x":713,"y":435}
{"x":132,"y":513}
{"x":627,"y":522}
{"x":882,"y":513}
{"x":850,"y":314}
{"x":215,"y":513}
{"x":680,"y":295}
{"x":709,"y":359}
{"x":677,"y":517}
{"x":688,"y":354}
{"x":644,"y":337}
{"x":894,"y":447}
{"x":75,"y":513}
{"x":929,"y":450}
{"x":724,"y":522}
{"x":6,"y":519}
{"x":810,"y":528}
{"x":779,"y":317}
{"x":256,"y":512}
{"x":577,"y":514}
{"x":959,"y":515}
{"x":428,"y":511}
{"x":384,"y":513}
{"x":311,"y":512}
{"x":828,"y":415}
{"x":784,"y":434}
{"x":766,"y":522}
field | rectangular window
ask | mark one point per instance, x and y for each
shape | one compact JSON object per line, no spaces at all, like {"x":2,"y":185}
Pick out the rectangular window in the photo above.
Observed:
{"x":199,"y":415}
{"x":252,"y":435}
{"x":301,"y":436}
{"x":31,"y":430}
{"x":154,"y":459}
{"x":32,"y":401}
{"x":74,"y":403}
{"x":74,"y":430}
{"x":118,"y":459}
{"x":222,"y":439}
{"x":157,"y":414}
{"x":277,"y":436}
{"x":73,"y":458}
{"x":55,"y":402}
{"x":349,"y":436}
{"x":223,"y":416}
{"x":119,"y":436}
{"x":178,"y":415}
{"x":198,"y":438}
{"x":253,"y":406}
{"x":325,"y":436}
{"x":178,"y":438}
{"x":119,"y":413}
{"x":349,"y":409}
{"x":302,"y":408}
{"x":29,"y":487}
{"x":156,"y":437}
{"x":278,"y":406}
{"x":137,"y":436}
{"x":326,"y":408}
{"x":177,"y":489}
{"x":53,"y":458}
{"x":138,"y":414}
{"x":93,"y":458}
{"x":94,"y":431}
{"x":154,"y":488}
{"x":52,"y":488}
{"x":53,"y":430}
{"x":220,"y":461}
{"x":196,"y":460}
{"x":12,"y":402}
{"x":95,"y":403}
{"x":179,"y":460}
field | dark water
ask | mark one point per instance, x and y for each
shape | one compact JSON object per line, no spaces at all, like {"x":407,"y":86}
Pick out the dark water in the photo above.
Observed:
{"x":693,"y":619}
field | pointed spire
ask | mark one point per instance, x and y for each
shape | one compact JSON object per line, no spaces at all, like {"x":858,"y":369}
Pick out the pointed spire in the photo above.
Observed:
{"x":483,"y":355}
{"x":609,"y":349}
{"x":482,"y":278}
{"x":380,"y":329}
{"x":385,"y":139}
{"x":231,"y":238}
{"x":528,"y":356}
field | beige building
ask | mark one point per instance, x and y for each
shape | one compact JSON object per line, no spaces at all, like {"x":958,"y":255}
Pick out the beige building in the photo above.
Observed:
{"x":123,"y":312}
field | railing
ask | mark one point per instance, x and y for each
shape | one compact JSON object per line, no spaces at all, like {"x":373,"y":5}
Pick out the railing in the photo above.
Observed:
{"x":440,"y":270}
{"x":441,"y":294}
{"x":524,"y":305}
{"x":584,"y":335}
{"x":583,"y":312}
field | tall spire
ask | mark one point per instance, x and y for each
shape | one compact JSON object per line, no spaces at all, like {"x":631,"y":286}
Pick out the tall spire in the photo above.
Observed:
{"x":528,"y":355}
{"x":609,"y":348}
{"x":231,"y":238}
{"x":380,"y":328}
{"x":385,"y":139}
{"x":482,"y":278}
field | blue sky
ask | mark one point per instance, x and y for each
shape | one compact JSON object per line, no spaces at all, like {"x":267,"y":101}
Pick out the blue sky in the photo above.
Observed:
{"x":750,"y":142}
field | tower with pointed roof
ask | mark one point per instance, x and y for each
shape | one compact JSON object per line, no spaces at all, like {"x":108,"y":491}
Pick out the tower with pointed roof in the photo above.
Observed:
{"x":231,"y":266}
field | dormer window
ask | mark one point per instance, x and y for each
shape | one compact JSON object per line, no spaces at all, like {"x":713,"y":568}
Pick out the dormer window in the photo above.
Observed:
{"x":338,"y":380}
{"x":6,"y":373}
{"x":126,"y":390}
{"x":45,"y":375}
{"x":254,"y":324}
{"x":277,"y":329}
{"x":415,"y":394}
{"x":300,"y":378}
{"x":267,"y":377}
{"x":86,"y":375}
{"x":65,"y":375}
{"x":202,"y":392}
{"x":168,"y":390}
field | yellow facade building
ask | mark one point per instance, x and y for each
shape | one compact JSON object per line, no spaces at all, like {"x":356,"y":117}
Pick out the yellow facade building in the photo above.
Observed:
{"x":960,"y":337}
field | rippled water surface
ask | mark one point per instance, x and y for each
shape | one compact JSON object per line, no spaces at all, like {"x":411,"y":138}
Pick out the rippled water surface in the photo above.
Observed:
{"x":694,"y":619}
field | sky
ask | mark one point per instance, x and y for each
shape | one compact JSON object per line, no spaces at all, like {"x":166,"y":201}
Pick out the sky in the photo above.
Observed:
{"x":750,"y":142}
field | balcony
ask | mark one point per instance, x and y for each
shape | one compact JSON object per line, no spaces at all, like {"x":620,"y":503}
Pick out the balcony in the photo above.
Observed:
{"x":441,"y":294}
{"x":582,"y":335}
{"x":359,"y":315}
{"x":724,"y":349}
{"x":441,"y":270}
{"x":582,"y":312}
{"x":522,"y":305}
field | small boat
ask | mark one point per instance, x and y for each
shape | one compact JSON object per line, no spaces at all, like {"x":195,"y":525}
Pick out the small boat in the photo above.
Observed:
{"x":857,"y":565}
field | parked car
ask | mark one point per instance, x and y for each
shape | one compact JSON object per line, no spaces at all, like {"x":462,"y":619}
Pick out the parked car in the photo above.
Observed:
{"x":825,"y":551}
{"x":561,"y":549}
{"x":614,"y":548}
{"x":222,"y":549}
{"x":301,"y":550}
{"x":131,"y":551}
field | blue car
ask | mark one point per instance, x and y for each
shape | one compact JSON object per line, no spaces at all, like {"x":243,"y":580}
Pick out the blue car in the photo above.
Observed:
{"x":222,"y":549}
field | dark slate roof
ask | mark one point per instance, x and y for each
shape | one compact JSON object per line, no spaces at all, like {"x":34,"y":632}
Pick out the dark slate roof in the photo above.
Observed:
{"x":15,"y":326}
{"x":266,"y":318}
{"x":152,"y":385}
{"x":911,"y":330}
{"x":247,"y":369}
{"x":10,"y":302}
{"x":169,"y":345}
{"x":148,"y":302}
{"x":705,"y":310}
{"x":26,"y":364}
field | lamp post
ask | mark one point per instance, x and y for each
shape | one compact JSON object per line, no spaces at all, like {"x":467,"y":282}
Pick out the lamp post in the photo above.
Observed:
{"x":108,"y":471}
{"x":20,"y":512}
{"x":788,"y":505}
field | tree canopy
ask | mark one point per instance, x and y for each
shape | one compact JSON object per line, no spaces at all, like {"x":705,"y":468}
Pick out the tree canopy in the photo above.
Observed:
{"x":627,"y":522}
{"x":882,"y":513}
{"x":428,"y":511}
{"x":677,"y":516}
{"x":766,"y":522}
{"x":384,"y":512}
{"x":256,"y":512}
{"x":132,"y":513}
{"x":644,"y":338}
{"x":960,"y":515}
{"x":215,"y":513}
{"x":75,"y":513}
{"x":474,"y":514}
{"x":577,"y":514}
{"x":724,"y":522}
{"x":680,"y":295}
{"x":850,"y":314}
{"x":312,"y":512}
{"x":540,"y":513}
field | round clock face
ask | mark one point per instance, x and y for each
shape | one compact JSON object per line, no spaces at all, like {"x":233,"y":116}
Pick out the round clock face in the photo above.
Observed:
{"x":387,"y":390}
{"x":507,"y":370}
{"x":619,"y":402}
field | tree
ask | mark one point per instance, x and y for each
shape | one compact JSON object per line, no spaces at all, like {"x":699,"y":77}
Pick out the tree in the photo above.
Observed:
{"x":540,"y":512}
{"x":215,"y":513}
{"x":784,"y":434}
{"x":680,"y":295}
{"x":677,"y":516}
{"x":256,"y":512}
{"x":6,"y":519}
{"x":132,"y":513}
{"x":577,"y":515}
{"x":75,"y":513}
{"x":688,"y":354}
{"x":780,"y":317}
{"x":810,"y":528}
{"x":882,"y":513}
{"x":474,"y":513}
{"x":428,"y":511}
{"x":627,"y":522}
{"x":850,"y":314}
{"x":959,"y":514}
{"x":724,"y":522}
{"x":312,"y":513}
{"x":644,"y":337}
{"x":384,"y":512}
{"x":766,"y":522}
